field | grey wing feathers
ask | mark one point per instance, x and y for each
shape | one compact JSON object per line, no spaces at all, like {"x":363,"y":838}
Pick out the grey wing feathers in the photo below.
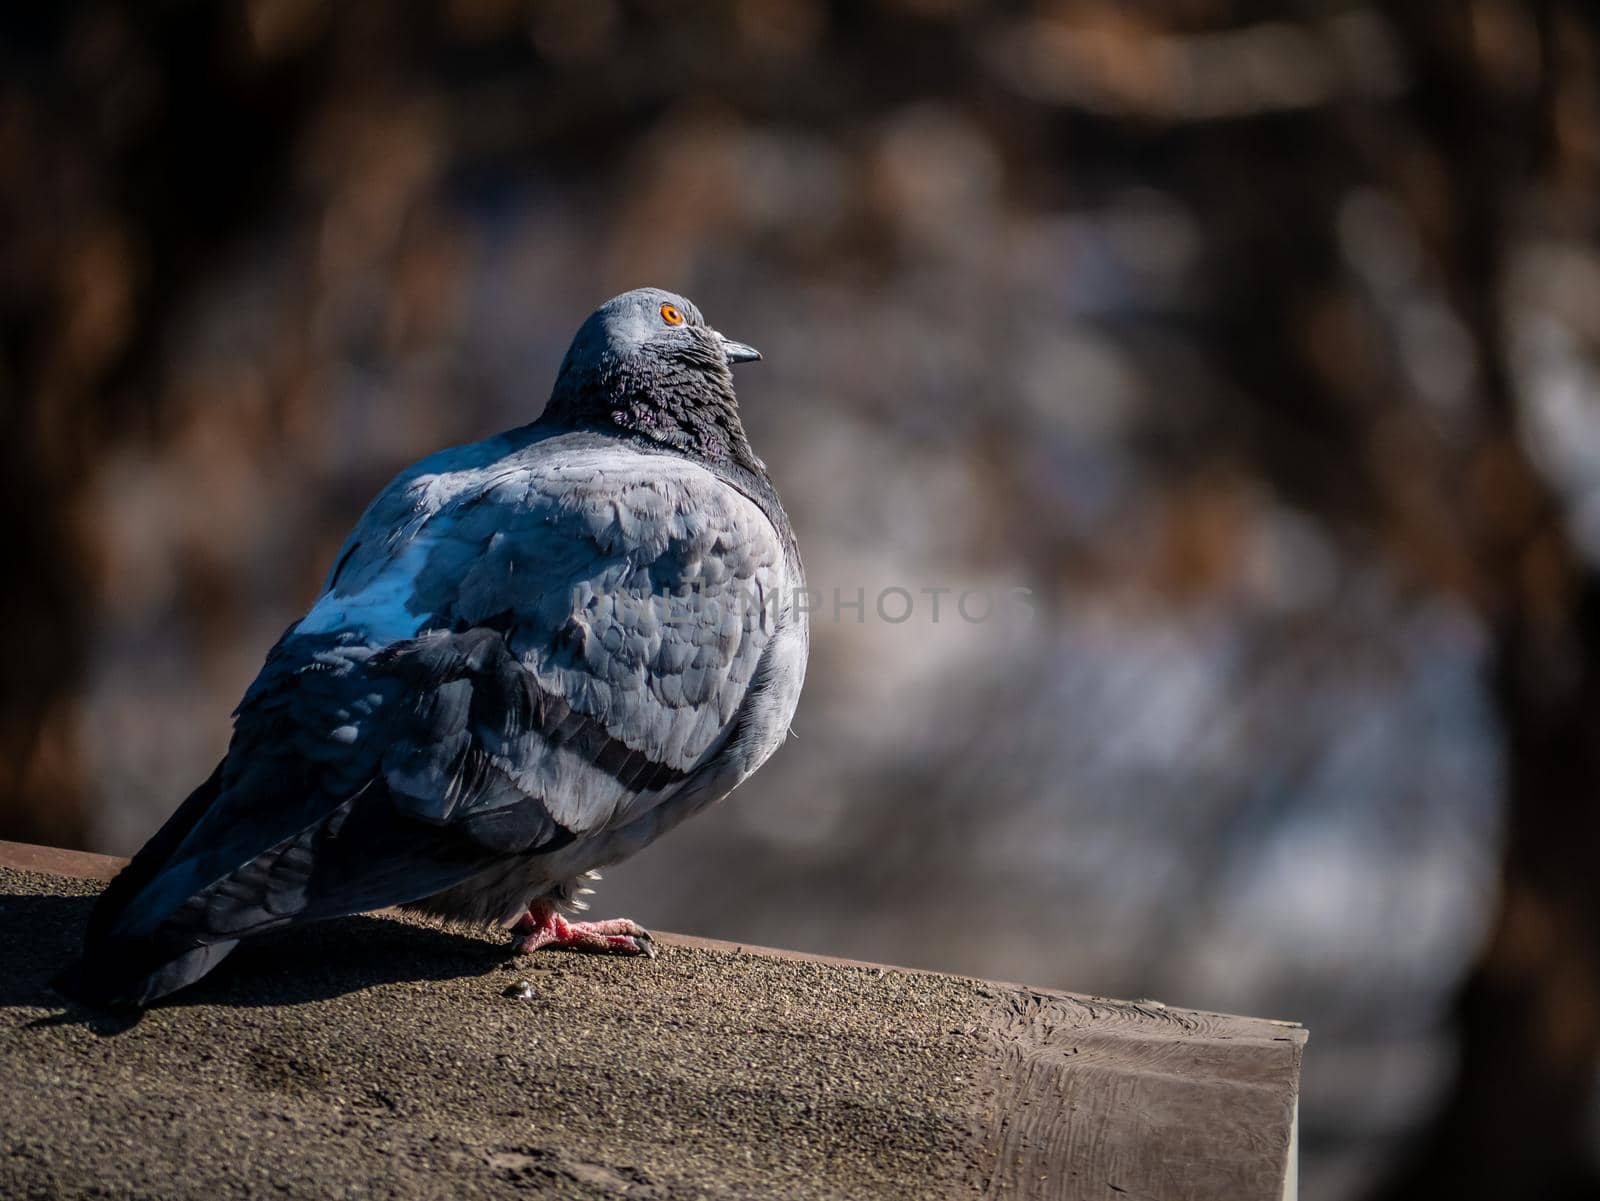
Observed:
{"x":516,"y":650}
{"x":626,"y":594}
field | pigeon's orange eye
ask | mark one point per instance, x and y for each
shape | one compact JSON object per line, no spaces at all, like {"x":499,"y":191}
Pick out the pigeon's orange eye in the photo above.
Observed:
{"x":671,"y":315}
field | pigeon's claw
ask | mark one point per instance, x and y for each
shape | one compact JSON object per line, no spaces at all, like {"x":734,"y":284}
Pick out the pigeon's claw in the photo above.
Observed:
{"x":616,"y":936}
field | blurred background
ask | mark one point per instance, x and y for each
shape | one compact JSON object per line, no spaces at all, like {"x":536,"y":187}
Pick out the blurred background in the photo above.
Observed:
{"x":1260,"y":341}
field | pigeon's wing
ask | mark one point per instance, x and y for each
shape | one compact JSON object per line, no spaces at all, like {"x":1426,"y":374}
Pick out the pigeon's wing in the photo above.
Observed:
{"x":631,"y":598}
{"x":509,"y":657}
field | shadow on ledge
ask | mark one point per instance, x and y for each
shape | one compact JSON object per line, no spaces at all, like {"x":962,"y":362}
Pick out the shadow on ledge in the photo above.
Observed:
{"x":290,"y":967}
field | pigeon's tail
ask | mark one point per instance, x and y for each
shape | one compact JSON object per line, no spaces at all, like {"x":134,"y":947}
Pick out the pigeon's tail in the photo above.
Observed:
{"x":131,"y":975}
{"x":179,"y":908}
{"x":120,"y":971}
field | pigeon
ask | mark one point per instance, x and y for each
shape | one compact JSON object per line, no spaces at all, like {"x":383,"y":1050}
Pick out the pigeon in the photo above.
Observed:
{"x":534,"y":655}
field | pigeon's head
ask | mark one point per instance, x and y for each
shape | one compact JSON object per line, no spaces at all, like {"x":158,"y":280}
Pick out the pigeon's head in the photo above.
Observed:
{"x":647,"y":361}
{"x":649,"y":330}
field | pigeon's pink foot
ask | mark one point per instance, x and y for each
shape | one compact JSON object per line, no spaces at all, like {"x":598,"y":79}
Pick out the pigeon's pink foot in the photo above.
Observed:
{"x":619,"y":936}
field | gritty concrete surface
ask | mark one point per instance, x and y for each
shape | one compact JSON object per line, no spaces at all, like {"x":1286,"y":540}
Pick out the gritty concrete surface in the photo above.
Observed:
{"x":377,"y":1057}
{"x":388,"y":1057}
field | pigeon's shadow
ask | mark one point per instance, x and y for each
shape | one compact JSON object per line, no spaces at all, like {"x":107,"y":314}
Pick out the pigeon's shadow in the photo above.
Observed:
{"x":291,"y":967}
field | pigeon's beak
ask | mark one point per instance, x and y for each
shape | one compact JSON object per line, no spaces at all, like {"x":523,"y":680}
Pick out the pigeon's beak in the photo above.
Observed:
{"x":738,"y":352}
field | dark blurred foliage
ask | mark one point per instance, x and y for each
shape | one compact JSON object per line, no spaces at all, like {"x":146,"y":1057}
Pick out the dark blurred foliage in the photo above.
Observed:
{"x":1259,"y":340}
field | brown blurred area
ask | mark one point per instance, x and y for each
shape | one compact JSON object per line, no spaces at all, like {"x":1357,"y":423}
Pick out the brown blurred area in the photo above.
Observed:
{"x":1261,"y":342}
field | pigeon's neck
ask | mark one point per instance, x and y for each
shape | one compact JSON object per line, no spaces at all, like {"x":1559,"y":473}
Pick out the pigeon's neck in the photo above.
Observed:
{"x":691,"y":410}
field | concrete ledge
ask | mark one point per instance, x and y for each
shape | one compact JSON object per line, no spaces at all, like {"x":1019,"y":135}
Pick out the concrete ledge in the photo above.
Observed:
{"x":379,"y":1056}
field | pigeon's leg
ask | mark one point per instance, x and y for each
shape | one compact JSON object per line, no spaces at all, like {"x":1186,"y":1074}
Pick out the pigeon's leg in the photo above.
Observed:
{"x":543,"y":927}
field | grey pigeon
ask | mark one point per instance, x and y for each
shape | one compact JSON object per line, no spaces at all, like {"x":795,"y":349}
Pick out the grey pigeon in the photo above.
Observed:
{"x":534,"y":655}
